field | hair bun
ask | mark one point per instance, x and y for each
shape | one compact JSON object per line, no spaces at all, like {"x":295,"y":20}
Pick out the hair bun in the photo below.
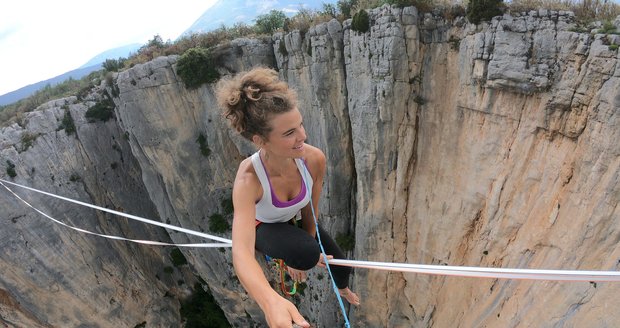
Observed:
{"x":252,"y":92}
{"x":249,"y":100}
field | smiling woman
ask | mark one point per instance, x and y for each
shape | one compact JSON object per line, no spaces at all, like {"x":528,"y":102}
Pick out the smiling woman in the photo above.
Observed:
{"x":281,"y":180}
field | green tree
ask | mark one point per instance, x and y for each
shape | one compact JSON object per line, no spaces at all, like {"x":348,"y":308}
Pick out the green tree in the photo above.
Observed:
{"x":156,"y":42}
{"x":329,"y":10}
{"x":345,"y":7}
{"x":269,"y":23}
{"x":114,"y":65}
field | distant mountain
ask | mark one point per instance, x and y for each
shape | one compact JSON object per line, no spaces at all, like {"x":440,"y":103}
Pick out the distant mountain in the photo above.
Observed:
{"x":115,"y":53}
{"x":29,"y":90}
{"x":223,"y":12}
{"x":92,"y":65}
{"x":229,"y":12}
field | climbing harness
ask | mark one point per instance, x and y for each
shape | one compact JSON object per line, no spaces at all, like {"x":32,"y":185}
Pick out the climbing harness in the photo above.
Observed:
{"x":281,"y":269}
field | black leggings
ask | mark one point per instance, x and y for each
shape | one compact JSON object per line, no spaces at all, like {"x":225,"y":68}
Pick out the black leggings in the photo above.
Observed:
{"x":298,"y":249}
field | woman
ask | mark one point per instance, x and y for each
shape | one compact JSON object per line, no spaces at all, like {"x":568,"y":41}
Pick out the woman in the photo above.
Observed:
{"x":284,"y":177}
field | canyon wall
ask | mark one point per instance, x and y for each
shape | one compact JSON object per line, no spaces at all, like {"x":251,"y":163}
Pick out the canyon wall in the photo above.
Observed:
{"x":447,"y":143}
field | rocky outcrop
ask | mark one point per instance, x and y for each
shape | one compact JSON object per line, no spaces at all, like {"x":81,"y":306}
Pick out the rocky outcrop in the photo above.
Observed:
{"x":55,"y":277}
{"x":492,"y":146}
{"x":447,"y":143}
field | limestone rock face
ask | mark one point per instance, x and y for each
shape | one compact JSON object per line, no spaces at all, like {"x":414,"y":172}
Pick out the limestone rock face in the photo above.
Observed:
{"x":56,"y":277}
{"x":447,"y":143}
{"x":492,"y":155}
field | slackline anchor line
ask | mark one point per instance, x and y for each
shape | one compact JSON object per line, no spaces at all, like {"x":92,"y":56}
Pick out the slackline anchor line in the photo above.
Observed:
{"x":446,"y":270}
{"x":443,"y":270}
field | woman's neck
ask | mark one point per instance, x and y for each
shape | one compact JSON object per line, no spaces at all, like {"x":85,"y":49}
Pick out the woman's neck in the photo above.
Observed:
{"x":277,"y":166}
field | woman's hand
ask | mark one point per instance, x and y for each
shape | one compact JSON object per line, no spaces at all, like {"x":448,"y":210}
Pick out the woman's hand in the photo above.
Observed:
{"x":296,"y":275}
{"x":300,"y":276}
{"x":321,"y":262}
{"x":282,"y":314}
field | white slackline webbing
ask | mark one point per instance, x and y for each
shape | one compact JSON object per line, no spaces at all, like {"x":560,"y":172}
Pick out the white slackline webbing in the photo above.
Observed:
{"x":445,"y":270}
{"x":129,"y":216}
{"x":481,"y":272}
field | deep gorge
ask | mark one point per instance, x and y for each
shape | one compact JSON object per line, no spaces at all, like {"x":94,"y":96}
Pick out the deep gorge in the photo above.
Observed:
{"x":447,"y":143}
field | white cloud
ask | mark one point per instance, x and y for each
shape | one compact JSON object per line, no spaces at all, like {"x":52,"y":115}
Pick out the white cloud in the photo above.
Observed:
{"x":42,"y":39}
{"x":263,"y":6}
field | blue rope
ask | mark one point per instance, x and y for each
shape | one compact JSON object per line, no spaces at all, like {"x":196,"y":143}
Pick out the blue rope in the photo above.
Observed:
{"x":318,"y":235}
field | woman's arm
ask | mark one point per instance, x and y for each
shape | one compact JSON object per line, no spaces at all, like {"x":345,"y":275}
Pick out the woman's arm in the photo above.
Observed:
{"x":316,"y":163}
{"x":279,"y":312}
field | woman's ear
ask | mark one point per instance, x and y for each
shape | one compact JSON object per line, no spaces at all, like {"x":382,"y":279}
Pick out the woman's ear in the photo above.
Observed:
{"x":258,"y":140}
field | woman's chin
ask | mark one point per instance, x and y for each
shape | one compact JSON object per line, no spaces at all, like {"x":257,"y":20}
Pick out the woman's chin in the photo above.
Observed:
{"x":299,"y":152}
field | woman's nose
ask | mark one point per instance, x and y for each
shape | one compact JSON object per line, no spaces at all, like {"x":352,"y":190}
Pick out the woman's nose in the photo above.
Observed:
{"x":302,"y":134}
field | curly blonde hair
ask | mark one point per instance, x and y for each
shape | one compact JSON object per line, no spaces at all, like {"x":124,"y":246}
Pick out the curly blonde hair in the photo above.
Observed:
{"x":249,"y":100}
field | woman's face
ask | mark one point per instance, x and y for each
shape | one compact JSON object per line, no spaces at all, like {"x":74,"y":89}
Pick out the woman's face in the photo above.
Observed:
{"x":287,"y":136}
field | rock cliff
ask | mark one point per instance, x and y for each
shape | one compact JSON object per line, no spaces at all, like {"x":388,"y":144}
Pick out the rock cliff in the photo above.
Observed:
{"x":447,"y":143}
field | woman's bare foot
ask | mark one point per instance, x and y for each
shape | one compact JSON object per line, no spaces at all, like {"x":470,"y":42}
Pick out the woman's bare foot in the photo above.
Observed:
{"x":350,"y":296}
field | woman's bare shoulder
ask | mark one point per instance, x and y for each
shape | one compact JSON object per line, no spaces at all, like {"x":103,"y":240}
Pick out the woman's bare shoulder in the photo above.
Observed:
{"x":246,"y":173}
{"x":314,"y":154}
{"x":246,"y":180}
{"x":316,"y":161}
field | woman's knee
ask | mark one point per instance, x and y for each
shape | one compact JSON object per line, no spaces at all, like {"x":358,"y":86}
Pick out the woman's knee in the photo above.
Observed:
{"x":306,"y":256}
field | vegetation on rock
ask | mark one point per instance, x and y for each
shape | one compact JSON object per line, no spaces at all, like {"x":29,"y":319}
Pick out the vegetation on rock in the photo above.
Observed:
{"x":103,"y":110}
{"x":218,"y":224}
{"x":201,"y":311}
{"x":270,"y":22}
{"x":10,"y":169}
{"x":196,"y":67}
{"x":484,"y":10}
{"x":204,"y":148}
{"x":177,"y":257}
{"x":586,"y":12}
{"x":360,"y":22}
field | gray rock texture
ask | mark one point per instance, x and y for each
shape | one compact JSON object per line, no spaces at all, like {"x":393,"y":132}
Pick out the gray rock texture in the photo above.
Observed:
{"x":447,"y":143}
{"x":56,"y":277}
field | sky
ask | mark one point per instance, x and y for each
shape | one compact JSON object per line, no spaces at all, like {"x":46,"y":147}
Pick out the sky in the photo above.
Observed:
{"x":42,"y":39}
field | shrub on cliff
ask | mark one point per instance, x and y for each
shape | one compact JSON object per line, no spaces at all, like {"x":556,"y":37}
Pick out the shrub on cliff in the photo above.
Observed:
{"x":114,"y":65}
{"x":360,"y":22}
{"x":204,"y":148}
{"x":10,"y":169}
{"x":177,"y":257}
{"x":67,"y":123}
{"x":27,"y":140}
{"x":483,"y":10}
{"x":270,"y":22}
{"x":11,"y":113}
{"x":196,"y":66}
{"x":218,"y":224}
{"x":101,"y":111}
{"x":201,"y":310}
